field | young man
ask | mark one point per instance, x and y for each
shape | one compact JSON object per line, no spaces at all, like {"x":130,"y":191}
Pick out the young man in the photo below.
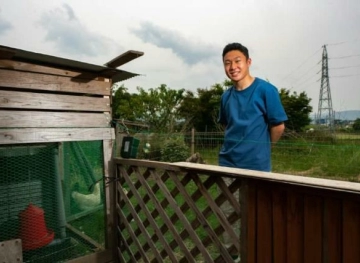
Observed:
{"x":253,"y":116}
{"x":252,"y":113}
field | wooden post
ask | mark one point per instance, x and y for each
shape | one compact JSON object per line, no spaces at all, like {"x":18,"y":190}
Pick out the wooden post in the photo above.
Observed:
{"x":192,"y":141}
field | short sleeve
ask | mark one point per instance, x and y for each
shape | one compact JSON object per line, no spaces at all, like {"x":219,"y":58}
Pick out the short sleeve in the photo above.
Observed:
{"x":274,"y":109}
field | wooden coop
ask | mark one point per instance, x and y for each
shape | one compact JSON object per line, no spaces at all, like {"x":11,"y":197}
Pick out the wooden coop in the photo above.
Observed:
{"x":55,"y":125}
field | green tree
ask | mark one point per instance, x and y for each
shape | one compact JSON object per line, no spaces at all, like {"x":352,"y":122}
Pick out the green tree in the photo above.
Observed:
{"x":157,"y":107}
{"x":124,"y":105}
{"x":297,"y":108}
{"x":356,"y":125}
{"x":200,"y":110}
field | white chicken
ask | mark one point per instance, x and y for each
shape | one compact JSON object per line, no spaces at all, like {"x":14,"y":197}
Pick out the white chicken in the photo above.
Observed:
{"x":87,"y":201}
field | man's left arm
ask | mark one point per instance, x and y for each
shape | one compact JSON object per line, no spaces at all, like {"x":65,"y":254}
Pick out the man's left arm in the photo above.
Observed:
{"x":276,"y":131}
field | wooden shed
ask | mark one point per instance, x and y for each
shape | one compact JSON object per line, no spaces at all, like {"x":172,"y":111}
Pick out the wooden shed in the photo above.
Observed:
{"x":55,"y":125}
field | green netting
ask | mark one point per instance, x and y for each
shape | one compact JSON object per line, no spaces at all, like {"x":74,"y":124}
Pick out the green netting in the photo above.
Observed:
{"x":52,"y":198}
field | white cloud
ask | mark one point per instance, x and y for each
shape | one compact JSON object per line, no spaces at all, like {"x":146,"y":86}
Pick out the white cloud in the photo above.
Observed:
{"x":183,"y":40}
{"x":190,"y":51}
{"x":4,"y":26}
{"x":70,"y":36}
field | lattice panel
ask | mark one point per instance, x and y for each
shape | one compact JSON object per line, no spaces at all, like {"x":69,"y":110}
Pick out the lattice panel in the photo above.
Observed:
{"x":174,"y":216}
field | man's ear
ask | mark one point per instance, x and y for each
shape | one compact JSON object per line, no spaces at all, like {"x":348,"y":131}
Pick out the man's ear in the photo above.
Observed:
{"x":249,"y":62}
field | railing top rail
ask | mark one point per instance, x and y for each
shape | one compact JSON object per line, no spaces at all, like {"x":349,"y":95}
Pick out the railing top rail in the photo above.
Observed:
{"x":275,"y":177}
{"x":146,"y":163}
{"x":243,"y":173}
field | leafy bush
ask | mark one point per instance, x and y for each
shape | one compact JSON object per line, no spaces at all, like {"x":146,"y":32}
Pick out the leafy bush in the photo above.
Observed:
{"x":175,"y":150}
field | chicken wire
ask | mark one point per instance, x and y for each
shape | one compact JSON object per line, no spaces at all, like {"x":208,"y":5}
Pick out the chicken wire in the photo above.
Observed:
{"x":52,"y":198}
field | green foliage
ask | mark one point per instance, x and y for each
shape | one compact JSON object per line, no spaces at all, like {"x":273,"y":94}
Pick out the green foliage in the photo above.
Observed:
{"x":297,"y":108}
{"x":175,"y":150}
{"x":201,"y":110}
{"x":170,"y":110}
{"x":356,"y":125}
{"x":121,"y":104}
{"x":156,"y":107}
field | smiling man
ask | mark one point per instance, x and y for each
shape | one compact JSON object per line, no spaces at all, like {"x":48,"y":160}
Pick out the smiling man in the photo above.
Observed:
{"x":251,"y":112}
{"x":253,"y":117}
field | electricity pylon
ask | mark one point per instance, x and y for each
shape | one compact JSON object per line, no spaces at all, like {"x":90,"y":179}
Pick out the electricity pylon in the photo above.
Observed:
{"x":325,"y":109}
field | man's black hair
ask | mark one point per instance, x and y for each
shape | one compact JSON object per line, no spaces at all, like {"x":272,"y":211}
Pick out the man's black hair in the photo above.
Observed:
{"x":235,"y":46}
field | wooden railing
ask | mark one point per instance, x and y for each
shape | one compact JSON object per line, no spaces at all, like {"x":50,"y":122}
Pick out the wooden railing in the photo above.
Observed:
{"x":173,"y":213}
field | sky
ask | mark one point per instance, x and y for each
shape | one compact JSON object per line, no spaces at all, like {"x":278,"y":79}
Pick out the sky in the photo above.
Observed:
{"x":183,"y":40}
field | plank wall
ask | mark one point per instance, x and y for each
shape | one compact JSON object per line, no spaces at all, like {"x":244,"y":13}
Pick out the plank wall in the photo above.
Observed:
{"x":288,"y":223}
{"x":44,"y":104}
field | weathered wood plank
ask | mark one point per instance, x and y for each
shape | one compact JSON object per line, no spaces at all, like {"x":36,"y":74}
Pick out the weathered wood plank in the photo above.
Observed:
{"x":109,"y":195}
{"x":351,"y":231}
{"x":84,"y":237}
{"x":27,"y":67}
{"x":295,"y":227}
{"x":102,"y":256}
{"x":332,"y":249}
{"x":11,"y":251}
{"x":251,"y":225}
{"x":313,"y":226}
{"x":244,"y":195}
{"x":146,"y":163}
{"x":41,"y":135}
{"x":264,"y":224}
{"x":279,"y":204}
{"x":46,"y":119}
{"x":44,"y":101}
{"x":38,"y":81}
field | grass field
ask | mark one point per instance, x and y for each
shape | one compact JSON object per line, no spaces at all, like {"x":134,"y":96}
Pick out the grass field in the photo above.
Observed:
{"x":339,"y":160}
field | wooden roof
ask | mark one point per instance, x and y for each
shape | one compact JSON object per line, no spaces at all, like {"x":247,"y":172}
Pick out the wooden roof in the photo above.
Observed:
{"x":107,"y":71}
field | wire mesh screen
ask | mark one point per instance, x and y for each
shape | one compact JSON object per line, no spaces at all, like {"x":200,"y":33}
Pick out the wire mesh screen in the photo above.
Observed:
{"x":51,"y":197}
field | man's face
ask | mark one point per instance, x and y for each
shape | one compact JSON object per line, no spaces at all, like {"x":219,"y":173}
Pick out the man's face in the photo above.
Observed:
{"x":236,"y":65}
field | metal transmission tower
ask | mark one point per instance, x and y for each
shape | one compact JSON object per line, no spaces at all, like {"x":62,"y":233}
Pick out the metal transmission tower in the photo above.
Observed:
{"x":325,"y":109}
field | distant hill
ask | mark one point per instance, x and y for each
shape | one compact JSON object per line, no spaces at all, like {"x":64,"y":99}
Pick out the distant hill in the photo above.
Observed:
{"x":349,"y":115}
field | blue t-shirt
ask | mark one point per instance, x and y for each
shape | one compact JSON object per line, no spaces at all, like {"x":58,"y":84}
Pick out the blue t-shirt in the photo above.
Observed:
{"x":247,"y":115}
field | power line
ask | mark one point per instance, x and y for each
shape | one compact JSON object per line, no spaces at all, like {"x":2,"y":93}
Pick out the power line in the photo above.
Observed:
{"x":301,"y":64}
{"x":307,"y":72}
{"x":343,"y":42}
{"x":349,"y":56}
{"x":306,"y":81}
{"x":343,"y":76}
{"x":357,"y":66}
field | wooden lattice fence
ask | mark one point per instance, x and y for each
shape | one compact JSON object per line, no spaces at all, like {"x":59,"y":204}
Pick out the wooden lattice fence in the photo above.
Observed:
{"x":167,"y":215}
{"x":174,"y":213}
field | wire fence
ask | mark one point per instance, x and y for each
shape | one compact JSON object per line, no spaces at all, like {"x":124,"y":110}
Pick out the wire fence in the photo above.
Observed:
{"x":51,"y":198}
{"x":314,"y":153}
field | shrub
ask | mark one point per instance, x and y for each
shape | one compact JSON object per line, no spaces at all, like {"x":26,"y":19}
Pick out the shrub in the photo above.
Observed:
{"x":175,"y":150}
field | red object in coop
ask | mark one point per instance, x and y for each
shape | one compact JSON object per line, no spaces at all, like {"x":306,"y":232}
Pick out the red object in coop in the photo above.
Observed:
{"x":33,"y":231}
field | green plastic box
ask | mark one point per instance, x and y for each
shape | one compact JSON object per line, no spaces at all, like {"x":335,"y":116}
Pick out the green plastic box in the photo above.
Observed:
{"x":129,"y":147}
